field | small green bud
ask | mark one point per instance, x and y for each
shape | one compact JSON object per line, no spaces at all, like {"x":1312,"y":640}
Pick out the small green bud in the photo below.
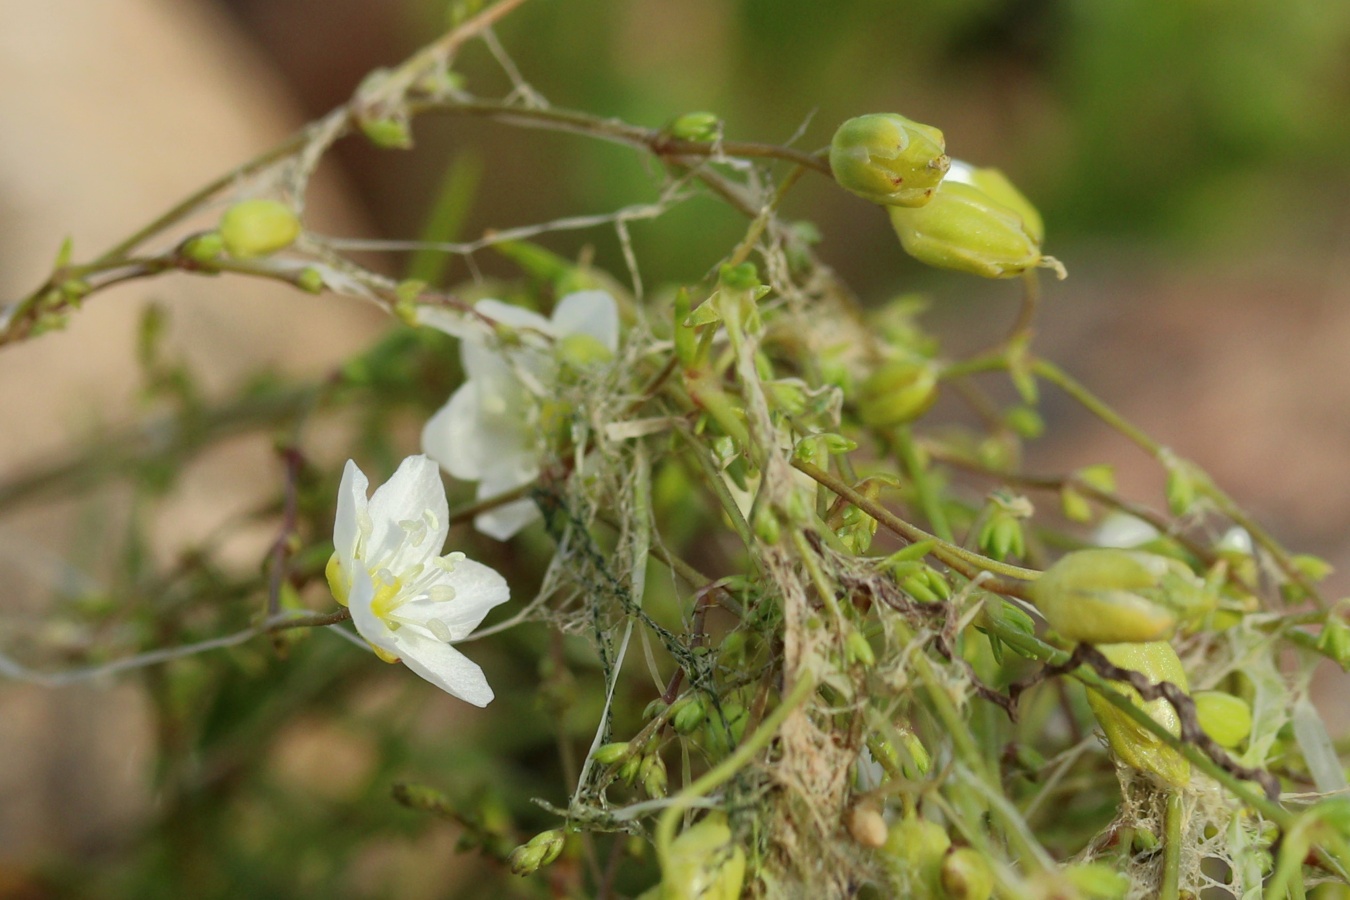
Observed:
{"x":310,"y":280}
{"x":965,"y":230}
{"x":965,"y":875}
{"x":204,"y":248}
{"x":888,"y":159}
{"x":652,"y":774}
{"x":258,"y":227}
{"x":926,"y":585}
{"x":1334,"y":641}
{"x":1098,"y":881}
{"x":899,"y":391}
{"x":1143,"y":841}
{"x":537,"y":852}
{"x":919,"y":762}
{"x":609,"y":754}
{"x":1130,"y":742}
{"x":1222,"y":716}
{"x":1001,"y":535}
{"x":689,"y":716}
{"x":704,"y":862}
{"x":857,"y":650}
{"x":390,"y":133}
{"x":695,"y":126}
{"x":628,"y":772}
{"x":1074,"y":505}
{"x":916,"y":847}
{"x":1025,"y":421}
{"x":1106,"y":596}
{"x":767,"y":527}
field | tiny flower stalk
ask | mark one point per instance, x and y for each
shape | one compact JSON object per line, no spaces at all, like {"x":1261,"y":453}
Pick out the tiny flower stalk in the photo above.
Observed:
{"x":1131,"y":743}
{"x":888,"y":159}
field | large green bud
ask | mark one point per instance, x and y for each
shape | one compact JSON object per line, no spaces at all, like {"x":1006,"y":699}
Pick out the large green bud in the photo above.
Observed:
{"x":1109,"y":596}
{"x":999,"y":189}
{"x":967,"y":229}
{"x":704,"y":863}
{"x":899,"y":391}
{"x":888,"y":159}
{"x":1132,"y":743}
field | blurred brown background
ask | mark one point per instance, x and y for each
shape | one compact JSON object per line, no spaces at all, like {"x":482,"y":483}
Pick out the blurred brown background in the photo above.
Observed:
{"x":1192,"y":160}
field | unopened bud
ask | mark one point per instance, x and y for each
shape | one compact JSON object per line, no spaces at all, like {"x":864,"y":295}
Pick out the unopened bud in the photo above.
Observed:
{"x":609,"y":754}
{"x":689,"y":716}
{"x":258,"y":227}
{"x":899,"y":391}
{"x":695,"y":126}
{"x":1225,"y":718}
{"x":1132,"y":743}
{"x":999,"y":189}
{"x":1001,"y":535}
{"x":888,"y":159}
{"x":1098,"y":881}
{"x":704,"y":862}
{"x":1106,"y":596}
{"x":204,"y":248}
{"x":310,"y":280}
{"x":916,"y":847}
{"x":537,"y":852}
{"x":966,"y":230}
{"x":857,"y":651}
{"x":582,"y":351}
{"x":965,"y":875}
{"x":652,"y":774}
{"x":1334,"y":641}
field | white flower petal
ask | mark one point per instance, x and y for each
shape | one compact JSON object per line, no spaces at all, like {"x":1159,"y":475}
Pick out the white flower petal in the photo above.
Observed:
{"x":588,"y":312}
{"x":513,"y":316}
{"x":444,"y":666}
{"x":351,"y":503}
{"x":504,"y":521}
{"x":451,"y":436}
{"x":414,"y":490}
{"x":368,"y":625}
{"x":453,"y":322}
{"x":478,"y":588}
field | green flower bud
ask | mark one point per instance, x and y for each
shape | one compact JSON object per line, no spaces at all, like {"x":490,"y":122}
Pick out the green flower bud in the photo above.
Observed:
{"x":1098,"y":881}
{"x":652,"y":774}
{"x":965,"y":875}
{"x":857,"y":651}
{"x":919,"y":762}
{"x":392,"y":133}
{"x":704,"y":863}
{"x":689,"y":716}
{"x":310,"y":280}
{"x":258,"y":227}
{"x":695,"y":126}
{"x":1334,"y":641}
{"x":916,"y":848}
{"x":966,"y":230}
{"x":1001,"y":535}
{"x":888,"y":159}
{"x":767,"y":527}
{"x":628,"y":772}
{"x":609,"y":754}
{"x":1222,"y":716}
{"x":999,"y":189}
{"x":204,"y":248}
{"x":899,"y":391}
{"x":1130,"y":742}
{"x":537,"y":852}
{"x":1106,"y":596}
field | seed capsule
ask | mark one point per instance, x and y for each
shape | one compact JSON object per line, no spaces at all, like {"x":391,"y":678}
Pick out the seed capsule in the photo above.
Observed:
{"x":1222,"y":716}
{"x":1106,"y":596}
{"x":1130,"y":742}
{"x":965,"y":229}
{"x":888,"y":159}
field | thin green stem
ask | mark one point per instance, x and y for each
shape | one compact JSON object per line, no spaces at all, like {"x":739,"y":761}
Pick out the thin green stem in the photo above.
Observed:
{"x":723,"y":771}
{"x":929,"y":501}
{"x":1170,"y":888}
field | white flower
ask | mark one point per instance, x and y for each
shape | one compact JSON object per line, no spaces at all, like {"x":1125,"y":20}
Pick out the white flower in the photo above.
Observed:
{"x":407,"y":600}
{"x":495,"y":427}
